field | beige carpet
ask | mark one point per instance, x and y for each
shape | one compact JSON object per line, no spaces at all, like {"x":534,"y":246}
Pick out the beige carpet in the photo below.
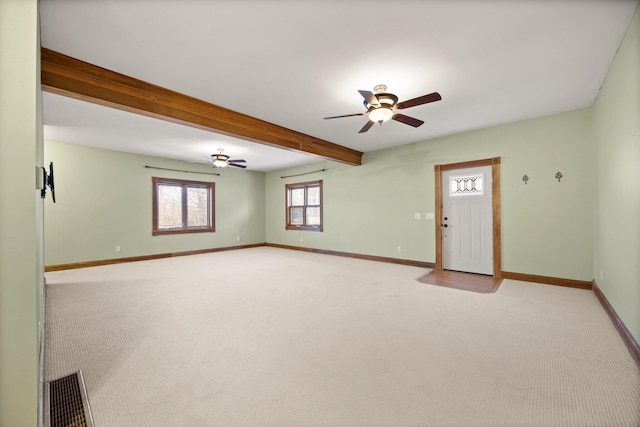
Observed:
{"x":270,"y":337}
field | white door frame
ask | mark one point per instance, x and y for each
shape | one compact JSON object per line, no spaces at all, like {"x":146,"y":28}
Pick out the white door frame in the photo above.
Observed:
{"x":494,"y":162}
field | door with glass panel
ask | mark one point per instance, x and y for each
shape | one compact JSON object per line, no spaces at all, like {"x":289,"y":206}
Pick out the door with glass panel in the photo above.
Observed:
{"x":467,"y":220}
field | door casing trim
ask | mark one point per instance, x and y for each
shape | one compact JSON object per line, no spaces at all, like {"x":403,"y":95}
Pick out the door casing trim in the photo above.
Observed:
{"x":494,"y":162}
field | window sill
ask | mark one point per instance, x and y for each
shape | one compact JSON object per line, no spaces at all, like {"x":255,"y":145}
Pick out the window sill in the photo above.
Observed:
{"x":303,"y":228}
{"x":182,"y":231}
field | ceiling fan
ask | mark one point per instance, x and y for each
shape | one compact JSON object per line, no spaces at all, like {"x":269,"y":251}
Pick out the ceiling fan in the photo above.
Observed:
{"x":380,"y":106}
{"x":222,"y":160}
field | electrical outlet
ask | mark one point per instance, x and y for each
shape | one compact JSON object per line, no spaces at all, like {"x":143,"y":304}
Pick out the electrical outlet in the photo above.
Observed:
{"x":238,"y":239}
{"x":117,"y":248}
{"x":302,"y":239}
{"x":399,"y":248}
{"x":417,"y":215}
{"x":601,"y":275}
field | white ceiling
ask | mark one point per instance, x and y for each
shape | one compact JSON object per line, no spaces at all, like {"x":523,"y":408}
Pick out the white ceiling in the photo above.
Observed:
{"x":294,"y":62}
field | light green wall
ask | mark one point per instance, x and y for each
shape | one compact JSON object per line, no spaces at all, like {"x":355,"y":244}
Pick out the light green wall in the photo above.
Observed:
{"x":546,"y":224}
{"x":21,"y":277}
{"x":538,"y":234}
{"x":103,"y":200}
{"x":617,"y":202}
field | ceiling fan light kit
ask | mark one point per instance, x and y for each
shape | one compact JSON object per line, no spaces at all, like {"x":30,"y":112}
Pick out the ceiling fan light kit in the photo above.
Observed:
{"x":380,"y":114}
{"x":222,"y":160}
{"x":380,"y":106}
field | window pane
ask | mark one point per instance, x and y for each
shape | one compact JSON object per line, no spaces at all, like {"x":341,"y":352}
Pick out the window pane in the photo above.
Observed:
{"x":313,"y":196}
{"x":181,"y":206}
{"x":313,"y":216}
{"x":169,"y":206}
{"x":297,"y":216}
{"x":197,"y":206}
{"x":304,"y":206}
{"x":466,"y":185}
{"x":297,"y":197}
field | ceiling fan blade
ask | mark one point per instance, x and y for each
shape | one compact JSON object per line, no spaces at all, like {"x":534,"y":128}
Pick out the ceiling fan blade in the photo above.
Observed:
{"x":346,"y":115}
{"x":238,"y":166}
{"x":407,"y":120}
{"x":425,"y":99}
{"x":237,"y":161}
{"x":369,"y":97}
{"x":366,"y":127}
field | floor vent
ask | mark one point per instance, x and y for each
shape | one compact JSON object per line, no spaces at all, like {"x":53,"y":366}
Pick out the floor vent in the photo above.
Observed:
{"x":66,"y":403}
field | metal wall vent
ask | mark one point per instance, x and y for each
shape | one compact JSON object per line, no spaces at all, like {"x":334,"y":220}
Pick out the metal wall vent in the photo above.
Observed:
{"x":66,"y":403}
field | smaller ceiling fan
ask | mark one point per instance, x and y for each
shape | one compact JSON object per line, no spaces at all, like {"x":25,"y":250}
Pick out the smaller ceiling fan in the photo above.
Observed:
{"x":380,"y":106}
{"x":222,"y":160}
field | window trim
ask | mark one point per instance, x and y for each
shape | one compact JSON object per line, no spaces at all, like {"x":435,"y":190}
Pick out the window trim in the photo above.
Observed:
{"x":210,"y":186}
{"x":304,"y":227}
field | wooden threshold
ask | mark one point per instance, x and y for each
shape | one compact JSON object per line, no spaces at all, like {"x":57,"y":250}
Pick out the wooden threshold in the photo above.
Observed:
{"x":463,"y":281}
{"x":67,"y":76}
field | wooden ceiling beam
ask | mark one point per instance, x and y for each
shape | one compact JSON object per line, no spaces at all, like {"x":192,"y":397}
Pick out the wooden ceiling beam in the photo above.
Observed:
{"x":71,"y":77}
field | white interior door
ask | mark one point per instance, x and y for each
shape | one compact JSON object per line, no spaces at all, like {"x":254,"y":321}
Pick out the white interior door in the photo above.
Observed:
{"x":467,"y":220}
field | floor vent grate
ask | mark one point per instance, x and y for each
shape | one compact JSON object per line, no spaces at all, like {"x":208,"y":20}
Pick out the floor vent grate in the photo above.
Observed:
{"x":66,"y":403}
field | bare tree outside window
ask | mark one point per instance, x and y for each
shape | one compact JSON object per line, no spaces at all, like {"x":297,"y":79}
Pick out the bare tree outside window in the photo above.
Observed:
{"x":197,"y":206}
{"x":169,"y":206}
{"x":304,"y":206}
{"x":181,"y":206}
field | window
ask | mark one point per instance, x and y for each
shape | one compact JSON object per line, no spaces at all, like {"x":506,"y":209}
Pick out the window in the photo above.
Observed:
{"x":466,"y":185}
{"x":181,"y":206}
{"x":304,"y":206}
